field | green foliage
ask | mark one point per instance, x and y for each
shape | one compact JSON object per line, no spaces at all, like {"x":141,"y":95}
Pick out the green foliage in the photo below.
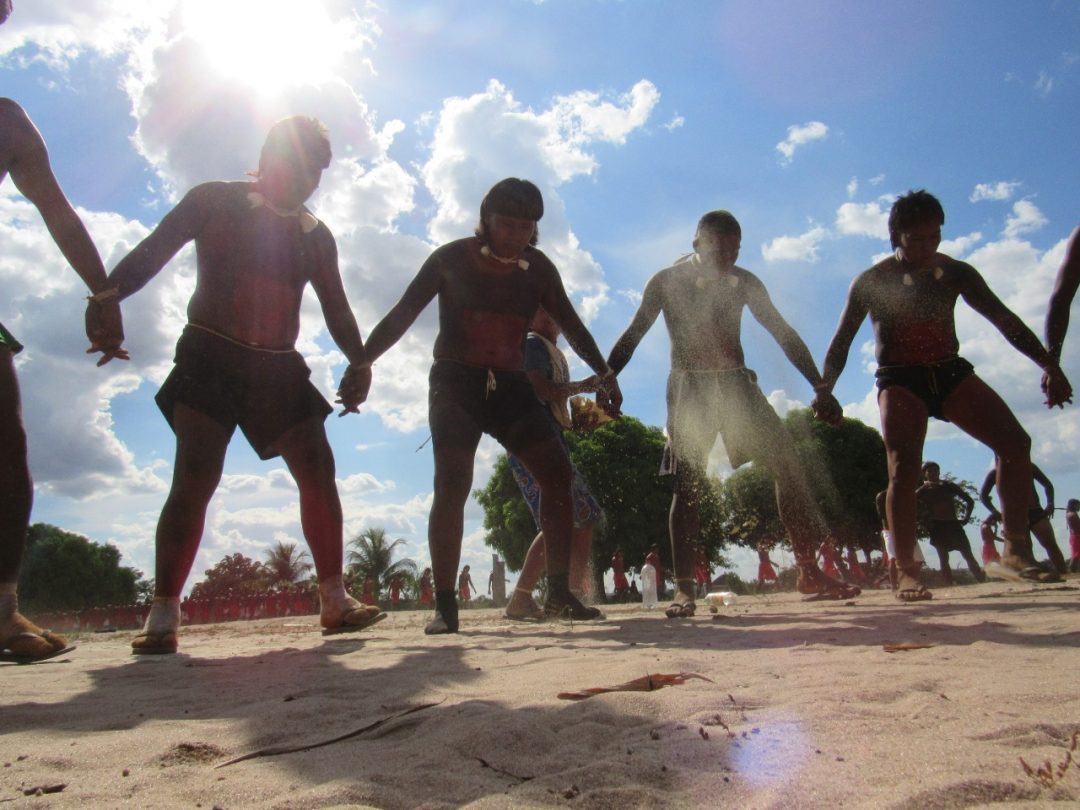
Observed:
{"x":621,"y":462}
{"x":286,"y":566}
{"x":845,"y":467}
{"x":235,"y":575}
{"x":64,"y":571}
{"x":509,"y":524}
{"x":371,"y":554}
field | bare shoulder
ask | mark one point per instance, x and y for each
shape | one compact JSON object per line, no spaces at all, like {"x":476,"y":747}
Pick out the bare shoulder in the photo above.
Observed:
{"x":17,"y":131}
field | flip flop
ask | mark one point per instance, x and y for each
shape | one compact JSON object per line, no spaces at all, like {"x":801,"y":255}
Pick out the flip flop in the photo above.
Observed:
{"x":368,"y":620}
{"x":681,"y":610}
{"x":154,"y":643}
{"x":537,"y":616}
{"x":1023,"y":576}
{"x":59,"y":648}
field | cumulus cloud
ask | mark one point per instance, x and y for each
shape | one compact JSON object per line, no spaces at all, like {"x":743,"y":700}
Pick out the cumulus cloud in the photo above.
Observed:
{"x":863,"y":219}
{"x":802,"y":248}
{"x":1025,"y":218}
{"x":800,"y":135}
{"x":1001,"y":190}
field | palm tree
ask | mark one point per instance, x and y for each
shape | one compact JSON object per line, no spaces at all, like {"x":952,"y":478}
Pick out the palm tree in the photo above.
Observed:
{"x":370,"y":554}
{"x":285,"y":566}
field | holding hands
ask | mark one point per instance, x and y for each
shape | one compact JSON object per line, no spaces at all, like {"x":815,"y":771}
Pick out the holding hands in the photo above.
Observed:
{"x":105,"y":327}
{"x":355,"y":384}
{"x":1057,"y":388}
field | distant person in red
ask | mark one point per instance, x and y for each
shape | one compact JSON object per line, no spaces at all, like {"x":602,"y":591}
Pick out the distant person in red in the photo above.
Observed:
{"x":988,"y":531}
{"x":766,"y":570}
{"x":702,"y":569}
{"x":854,"y":568}
{"x":465,"y":585}
{"x":1072,"y":520}
{"x":618,"y":570}
{"x":368,"y":596}
{"x":653,"y":559}
{"x":427,"y":589}
{"x":830,"y":560}
{"x":395,"y":590}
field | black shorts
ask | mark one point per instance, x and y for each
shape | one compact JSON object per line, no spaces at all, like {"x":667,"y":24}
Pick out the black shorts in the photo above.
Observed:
{"x":932,"y":382}
{"x":948,"y":535}
{"x":1036,"y":515}
{"x":265,"y":393}
{"x":462,"y":405}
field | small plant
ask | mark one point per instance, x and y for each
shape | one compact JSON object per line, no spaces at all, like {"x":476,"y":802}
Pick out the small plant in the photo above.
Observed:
{"x":1047,"y":775}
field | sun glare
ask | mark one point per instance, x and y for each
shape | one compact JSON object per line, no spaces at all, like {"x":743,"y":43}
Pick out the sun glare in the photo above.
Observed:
{"x":268,"y":44}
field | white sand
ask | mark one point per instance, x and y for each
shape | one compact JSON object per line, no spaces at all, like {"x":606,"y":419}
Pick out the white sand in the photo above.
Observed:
{"x":805,"y":709}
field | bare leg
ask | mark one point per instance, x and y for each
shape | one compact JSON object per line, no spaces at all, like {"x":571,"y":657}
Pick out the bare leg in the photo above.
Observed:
{"x":976,"y":409}
{"x":972,"y":564}
{"x":549,"y":464}
{"x":801,"y":519}
{"x":903,"y":426}
{"x":522,"y":605}
{"x":307,"y":454}
{"x":684,"y":526}
{"x":200,"y":455}
{"x":946,"y":571}
{"x":446,"y":526}
{"x":15,"y":482}
{"x":1044,"y":533}
{"x":18,"y":634}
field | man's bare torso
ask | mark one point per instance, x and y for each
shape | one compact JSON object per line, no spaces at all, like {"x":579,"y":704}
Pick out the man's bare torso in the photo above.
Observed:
{"x":939,"y":499}
{"x":912,"y":310}
{"x":252,"y":267}
{"x":702,"y":309}
{"x":484,"y":311}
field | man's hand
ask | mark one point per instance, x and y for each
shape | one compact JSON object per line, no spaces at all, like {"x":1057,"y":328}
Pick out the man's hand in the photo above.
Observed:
{"x":355,"y":384}
{"x":609,"y":396}
{"x":1056,"y":387}
{"x":105,"y":329}
{"x":827,"y":408}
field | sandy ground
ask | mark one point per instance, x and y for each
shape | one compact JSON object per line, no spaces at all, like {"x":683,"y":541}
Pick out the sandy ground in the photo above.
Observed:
{"x":803,"y":707}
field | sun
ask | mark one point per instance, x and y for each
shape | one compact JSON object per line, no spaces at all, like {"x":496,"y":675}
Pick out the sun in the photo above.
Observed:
{"x":269,"y":44}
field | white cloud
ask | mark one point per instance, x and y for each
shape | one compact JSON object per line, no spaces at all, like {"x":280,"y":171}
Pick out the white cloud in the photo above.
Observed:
{"x":675,"y":123}
{"x":802,"y":248}
{"x":852,"y":187}
{"x":863,"y":219}
{"x":799,"y":135}
{"x":1044,"y":85}
{"x":1001,"y":190}
{"x":960,"y":245}
{"x":1025,"y":218}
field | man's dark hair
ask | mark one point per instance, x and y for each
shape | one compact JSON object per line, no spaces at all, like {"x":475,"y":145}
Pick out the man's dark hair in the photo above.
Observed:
{"x":5,"y":10}
{"x":911,"y":209}
{"x":720,"y":221}
{"x":512,"y":197}
{"x":931,"y":464}
{"x":301,"y":138}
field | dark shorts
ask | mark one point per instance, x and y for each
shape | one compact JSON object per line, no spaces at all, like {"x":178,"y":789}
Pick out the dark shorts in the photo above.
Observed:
{"x":8,"y":341}
{"x":265,"y":393}
{"x":587,"y":511}
{"x":948,"y":535}
{"x":462,"y":405}
{"x":702,"y":404}
{"x":932,"y":383}
{"x":1035,"y":516}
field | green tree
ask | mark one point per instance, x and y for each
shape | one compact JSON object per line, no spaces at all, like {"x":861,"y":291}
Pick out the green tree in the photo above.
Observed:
{"x":235,"y":575}
{"x":845,"y":467}
{"x":621,"y":462}
{"x":65,"y":571}
{"x":370,"y":553}
{"x":286,"y":566}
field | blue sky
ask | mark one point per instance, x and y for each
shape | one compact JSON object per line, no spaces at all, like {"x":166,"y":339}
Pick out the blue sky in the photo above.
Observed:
{"x":634,"y":118}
